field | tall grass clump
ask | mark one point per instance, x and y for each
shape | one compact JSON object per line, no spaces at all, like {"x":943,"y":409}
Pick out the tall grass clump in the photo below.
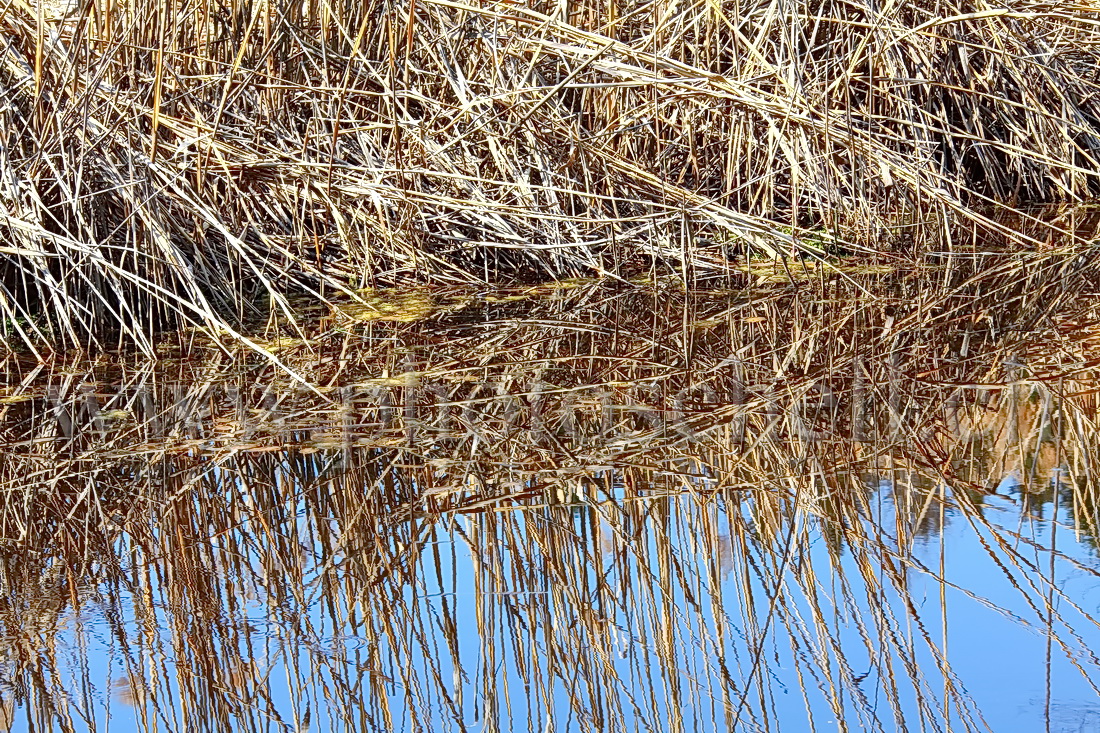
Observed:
{"x":184,"y":162}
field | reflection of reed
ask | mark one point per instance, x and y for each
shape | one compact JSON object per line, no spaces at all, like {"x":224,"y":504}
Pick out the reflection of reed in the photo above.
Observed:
{"x":632,"y":508}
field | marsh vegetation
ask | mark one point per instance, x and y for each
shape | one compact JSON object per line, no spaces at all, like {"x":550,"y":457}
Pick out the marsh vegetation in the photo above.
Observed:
{"x":183,"y":163}
{"x":578,"y":365}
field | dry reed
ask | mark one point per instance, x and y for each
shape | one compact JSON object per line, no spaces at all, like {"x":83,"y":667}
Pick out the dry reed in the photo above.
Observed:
{"x":196,"y":163}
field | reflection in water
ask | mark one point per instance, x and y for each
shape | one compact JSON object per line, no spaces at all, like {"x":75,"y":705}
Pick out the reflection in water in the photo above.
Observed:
{"x":770,"y":509}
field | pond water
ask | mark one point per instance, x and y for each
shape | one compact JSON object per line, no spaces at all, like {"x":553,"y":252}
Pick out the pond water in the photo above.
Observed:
{"x":845,"y":501}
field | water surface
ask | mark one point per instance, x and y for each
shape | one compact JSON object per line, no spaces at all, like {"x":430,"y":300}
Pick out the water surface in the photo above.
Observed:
{"x":850,"y":501}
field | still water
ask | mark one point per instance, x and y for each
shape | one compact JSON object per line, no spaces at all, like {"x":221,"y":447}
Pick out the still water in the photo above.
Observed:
{"x":852,"y":502}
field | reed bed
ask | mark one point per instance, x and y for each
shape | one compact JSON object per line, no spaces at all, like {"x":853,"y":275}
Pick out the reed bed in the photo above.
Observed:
{"x":638,"y":482}
{"x":194,"y":163}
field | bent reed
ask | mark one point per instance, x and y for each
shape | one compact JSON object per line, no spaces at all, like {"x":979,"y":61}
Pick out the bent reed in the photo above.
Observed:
{"x":179,"y":163}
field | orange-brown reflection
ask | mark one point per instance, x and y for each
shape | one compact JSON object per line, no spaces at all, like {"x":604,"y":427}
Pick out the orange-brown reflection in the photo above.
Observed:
{"x":230,"y":527}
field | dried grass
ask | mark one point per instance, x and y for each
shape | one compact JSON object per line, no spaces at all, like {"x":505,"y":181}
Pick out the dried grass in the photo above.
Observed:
{"x":193,"y":163}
